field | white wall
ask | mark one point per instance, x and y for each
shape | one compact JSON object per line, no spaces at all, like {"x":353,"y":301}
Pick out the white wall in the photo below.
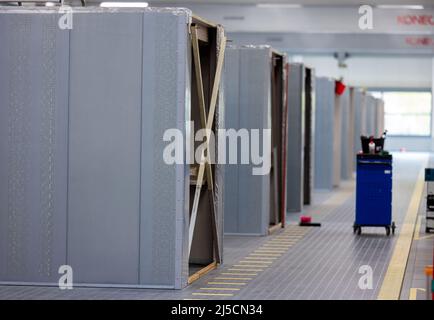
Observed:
{"x":380,"y":71}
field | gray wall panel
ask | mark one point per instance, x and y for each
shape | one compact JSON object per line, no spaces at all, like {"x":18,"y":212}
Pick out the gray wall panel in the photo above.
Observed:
{"x":346,"y":136}
{"x":370,"y":115}
{"x":162,"y":209}
{"x":359,"y":119}
{"x":255,"y":108}
{"x":380,"y":117}
{"x":104,"y":164}
{"x":232,"y":98}
{"x":337,"y":136}
{"x":33,"y":113}
{"x":324,"y":133}
{"x":248,"y":105}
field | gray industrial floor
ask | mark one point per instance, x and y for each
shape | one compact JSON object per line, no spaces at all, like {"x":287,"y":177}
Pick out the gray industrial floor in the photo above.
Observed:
{"x":295,"y":262}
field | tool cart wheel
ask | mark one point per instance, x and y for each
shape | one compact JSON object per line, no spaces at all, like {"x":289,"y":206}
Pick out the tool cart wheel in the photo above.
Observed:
{"x":355,"y":229}
{"x":359,"y":231}
{"x":393,"y":228}
{"x":388,"y":231}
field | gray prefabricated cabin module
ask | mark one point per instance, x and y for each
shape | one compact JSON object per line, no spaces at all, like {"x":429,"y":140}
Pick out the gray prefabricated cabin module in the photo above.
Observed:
{"x":379,"y":117}
{"x":347,"y":135}
{"x":254,"y":99}
{"x":327,"y":134}
{"x":83,"y":114}
{"x":300,"y":145}
{"x":371,"y":115}
{"x":358,"y":100}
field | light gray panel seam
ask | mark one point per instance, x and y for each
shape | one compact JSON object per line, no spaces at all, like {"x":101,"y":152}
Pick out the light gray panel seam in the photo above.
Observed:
{"x":179,"y":258}
{"x":67,"y":145}
{"x":140,"y":159}
{"x":47,"y":138}
{"x":238,"y":127}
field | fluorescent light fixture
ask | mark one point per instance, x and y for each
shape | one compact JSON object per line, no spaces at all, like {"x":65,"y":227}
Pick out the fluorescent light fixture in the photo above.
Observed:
{"x":391,"y":6}
{"x":124,"y":4}
{"x":50,"y":4}
{"x":279,"y":5}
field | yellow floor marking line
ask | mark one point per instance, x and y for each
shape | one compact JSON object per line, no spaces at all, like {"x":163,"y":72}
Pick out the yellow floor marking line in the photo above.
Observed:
{"x":261,"y":258}
{"x":266,"y":254}
{"x":277,"y":244}
{"x":221,"y":289}
{"x":291,"y":233}
{"x":232,"y":278}
{"x":238,"y":269}
{"x":213,"y":294}
{"x":229,"y":283}
{"x":250,"y":266}
{"x":256,"y":261}
{"x":271,"y":250}
{"x":417,"y":230}
{"x":283,"y":243}
{"x":392,"y":283}
{"x":413,"y":293}
{"x":239,"y":274}
{"x":276,"y":247}
{"x":247,"y":268}
{"x":292,"y":236}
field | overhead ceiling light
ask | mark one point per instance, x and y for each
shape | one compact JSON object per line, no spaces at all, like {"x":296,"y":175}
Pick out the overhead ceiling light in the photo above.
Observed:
{"x":410,"y":7}
{"x":279,"y":5}
{"x":50,"y":4}
{"x":124,"y":4}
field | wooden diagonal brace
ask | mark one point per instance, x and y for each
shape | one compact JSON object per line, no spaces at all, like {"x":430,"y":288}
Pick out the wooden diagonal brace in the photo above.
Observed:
{"x":209,"y":124}
{"x":201,"y":96}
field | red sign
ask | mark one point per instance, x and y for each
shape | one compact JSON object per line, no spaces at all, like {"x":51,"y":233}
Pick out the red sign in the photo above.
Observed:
{"x":421,"y":20}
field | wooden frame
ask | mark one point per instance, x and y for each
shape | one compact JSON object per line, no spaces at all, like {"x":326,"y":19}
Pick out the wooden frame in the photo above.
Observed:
{"x":279,"y":136}
{"x":207,"y":95}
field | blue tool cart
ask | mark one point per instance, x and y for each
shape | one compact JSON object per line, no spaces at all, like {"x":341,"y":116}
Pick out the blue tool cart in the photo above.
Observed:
{"x":374,"y":192}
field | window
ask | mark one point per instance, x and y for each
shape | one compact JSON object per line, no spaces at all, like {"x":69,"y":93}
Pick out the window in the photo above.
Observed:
{"x":408,"y":113}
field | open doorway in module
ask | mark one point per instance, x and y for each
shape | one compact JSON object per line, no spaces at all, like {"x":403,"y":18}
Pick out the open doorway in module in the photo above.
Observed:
{"x":205,"y":228}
